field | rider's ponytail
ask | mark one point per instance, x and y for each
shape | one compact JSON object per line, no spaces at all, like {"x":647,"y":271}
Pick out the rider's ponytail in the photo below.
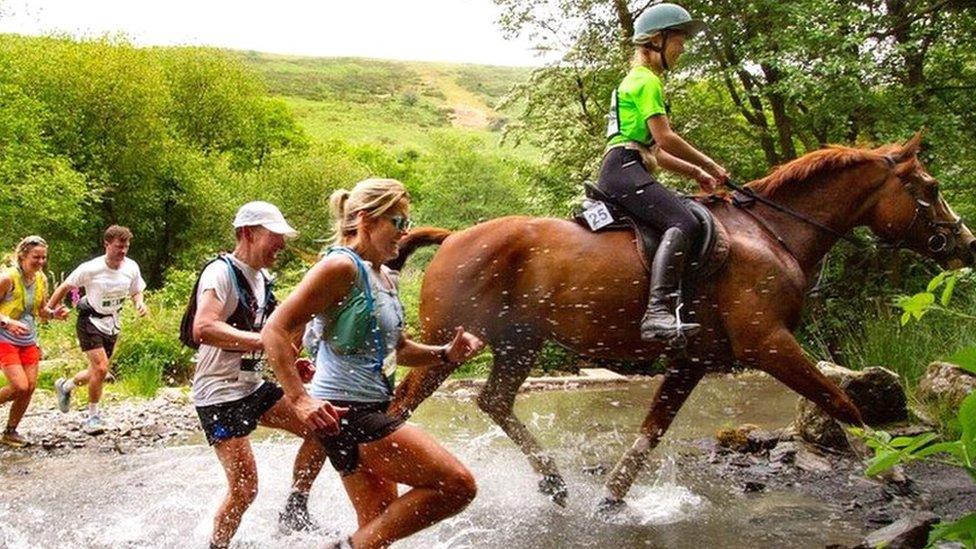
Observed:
{"x":646,"y":49}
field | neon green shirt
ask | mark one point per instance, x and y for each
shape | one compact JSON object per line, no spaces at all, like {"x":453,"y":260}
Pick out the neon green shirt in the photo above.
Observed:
{"x":639,"y":96}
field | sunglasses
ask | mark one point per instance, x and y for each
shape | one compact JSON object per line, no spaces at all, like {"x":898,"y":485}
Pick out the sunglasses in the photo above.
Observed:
{"x":401,"y":223}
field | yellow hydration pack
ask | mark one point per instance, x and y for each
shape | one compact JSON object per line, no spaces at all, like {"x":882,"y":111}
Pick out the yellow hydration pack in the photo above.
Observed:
{"x":14,"y":307}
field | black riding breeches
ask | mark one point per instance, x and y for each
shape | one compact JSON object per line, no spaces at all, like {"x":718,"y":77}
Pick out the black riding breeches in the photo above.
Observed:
{"x":625,"y":179}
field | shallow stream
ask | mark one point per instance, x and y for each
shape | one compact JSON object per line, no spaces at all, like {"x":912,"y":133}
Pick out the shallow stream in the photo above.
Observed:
{"x":166,"y":497}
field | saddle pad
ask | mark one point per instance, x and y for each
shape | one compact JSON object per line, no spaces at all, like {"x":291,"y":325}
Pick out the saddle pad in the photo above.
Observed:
{"x":711,"y":251}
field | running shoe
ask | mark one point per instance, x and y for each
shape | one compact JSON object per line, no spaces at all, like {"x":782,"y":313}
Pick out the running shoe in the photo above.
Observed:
{"x":64,"y":397}
{"x":93,"y":425}
{"x":13,"y":439}
{"x":295,"y":517}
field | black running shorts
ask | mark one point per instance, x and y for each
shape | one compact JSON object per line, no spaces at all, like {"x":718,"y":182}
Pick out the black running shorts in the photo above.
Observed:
{"x":90,"y":337}
{"x":238,"y":418}
{"x":364,"y":422}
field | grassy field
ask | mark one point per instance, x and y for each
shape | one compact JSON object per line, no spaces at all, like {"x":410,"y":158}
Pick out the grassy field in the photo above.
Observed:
{"x":401,"y":105}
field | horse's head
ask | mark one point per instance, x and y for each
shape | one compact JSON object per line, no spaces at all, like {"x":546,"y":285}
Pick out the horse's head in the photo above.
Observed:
{"x":911,"y":213}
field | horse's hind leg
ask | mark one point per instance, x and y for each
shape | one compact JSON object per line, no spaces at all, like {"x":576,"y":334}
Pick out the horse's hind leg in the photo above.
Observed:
{"x":497,"y":399}
{"x":680,"y":379}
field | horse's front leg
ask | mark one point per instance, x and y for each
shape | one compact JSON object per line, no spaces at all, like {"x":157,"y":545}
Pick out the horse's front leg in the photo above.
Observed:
{"x":419,"y":384}
{"x":680,"y":379}
{"x":778,"y":354}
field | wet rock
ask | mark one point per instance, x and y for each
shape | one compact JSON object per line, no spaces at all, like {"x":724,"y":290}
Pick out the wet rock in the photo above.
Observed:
{"x":173,"y":395}
{"x":908,"y":532}
{"x":761,"y":439}
{"x":753,"y":486}
{"x":946,"y":382}
{"x":808,"y":461}
{"x":876,"y":391}
{"x":784,"y":452}
{"x":736,"y":439}
{"x":597,"y":470}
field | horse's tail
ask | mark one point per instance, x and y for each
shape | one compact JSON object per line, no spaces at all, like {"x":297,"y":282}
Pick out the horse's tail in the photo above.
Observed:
{"x":417,"y":238}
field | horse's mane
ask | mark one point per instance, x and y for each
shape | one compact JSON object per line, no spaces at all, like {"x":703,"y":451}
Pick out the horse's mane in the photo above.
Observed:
{"x":832,"y":157}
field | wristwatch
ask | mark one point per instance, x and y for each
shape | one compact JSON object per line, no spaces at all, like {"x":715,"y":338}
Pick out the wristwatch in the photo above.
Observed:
{"x":443,"y":356}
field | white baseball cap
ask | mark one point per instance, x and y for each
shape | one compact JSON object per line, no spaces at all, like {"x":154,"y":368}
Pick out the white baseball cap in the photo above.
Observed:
{"x":266,"y":215}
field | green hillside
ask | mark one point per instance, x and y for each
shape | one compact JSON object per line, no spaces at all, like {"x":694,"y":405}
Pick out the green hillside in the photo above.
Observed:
{"x":399,"y":104}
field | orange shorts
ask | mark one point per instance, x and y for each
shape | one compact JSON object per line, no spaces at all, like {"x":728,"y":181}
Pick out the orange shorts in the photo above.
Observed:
{"x":25,"y":355}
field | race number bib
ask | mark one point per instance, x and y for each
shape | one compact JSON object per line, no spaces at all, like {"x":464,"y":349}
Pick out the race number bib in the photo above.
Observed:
{"x":251,"y":367}
{"x":613,"y":121}
{"x":597,"y":216}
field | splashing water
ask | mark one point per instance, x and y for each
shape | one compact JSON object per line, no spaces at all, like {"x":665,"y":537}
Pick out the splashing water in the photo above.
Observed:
{"x":166,"y":497}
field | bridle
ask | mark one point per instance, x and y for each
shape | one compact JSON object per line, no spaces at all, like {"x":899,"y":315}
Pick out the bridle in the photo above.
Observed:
{"x":946,"y":235}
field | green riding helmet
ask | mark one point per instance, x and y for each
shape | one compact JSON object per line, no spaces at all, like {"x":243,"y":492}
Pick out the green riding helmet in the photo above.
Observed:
{"x":665,"y":16}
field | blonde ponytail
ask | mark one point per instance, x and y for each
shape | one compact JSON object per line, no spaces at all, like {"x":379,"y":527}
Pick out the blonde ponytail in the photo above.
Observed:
{"x":372,"y":196}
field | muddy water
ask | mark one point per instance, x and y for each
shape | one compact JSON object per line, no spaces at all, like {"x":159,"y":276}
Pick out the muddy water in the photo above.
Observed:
{"x":166,"y":497}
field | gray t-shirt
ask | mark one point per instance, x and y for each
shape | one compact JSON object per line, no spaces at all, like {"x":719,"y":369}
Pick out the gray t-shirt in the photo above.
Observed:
{"x":218,"y":377}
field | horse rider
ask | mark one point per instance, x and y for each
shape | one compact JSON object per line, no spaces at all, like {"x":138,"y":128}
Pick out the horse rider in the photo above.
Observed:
{"x":638,"y":127}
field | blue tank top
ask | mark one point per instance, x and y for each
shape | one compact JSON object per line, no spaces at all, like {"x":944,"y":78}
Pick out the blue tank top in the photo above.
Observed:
{"x":355,"y":377}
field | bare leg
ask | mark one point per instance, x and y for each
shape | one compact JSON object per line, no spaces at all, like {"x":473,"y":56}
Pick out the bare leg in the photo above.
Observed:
{"x":311,"y":455}
{"x":21,"y":381}
{"x":497,"y":399}
{"x":679,"y":380}
{"x":441,"y":486}
{"x":22,"y":395}
{"x":370,"y":495}
{"x":242,"y":487}
{"x":94,"y":376}
{"x":16,"y":382}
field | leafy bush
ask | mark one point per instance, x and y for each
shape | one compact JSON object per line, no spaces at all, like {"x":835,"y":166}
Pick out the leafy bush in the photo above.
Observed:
{"x":149,"y":352}
{"x":959,"y":450}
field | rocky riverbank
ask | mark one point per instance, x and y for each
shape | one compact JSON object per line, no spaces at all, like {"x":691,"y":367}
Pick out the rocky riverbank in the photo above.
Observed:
{"x":747,"y":460}
{"x":130,"y":425}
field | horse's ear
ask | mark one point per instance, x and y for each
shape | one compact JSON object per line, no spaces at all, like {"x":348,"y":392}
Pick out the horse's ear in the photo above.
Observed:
{"x":910,"y":149}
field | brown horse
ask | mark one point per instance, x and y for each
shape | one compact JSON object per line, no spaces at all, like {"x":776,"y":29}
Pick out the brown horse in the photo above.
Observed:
{"x":518,"y":281}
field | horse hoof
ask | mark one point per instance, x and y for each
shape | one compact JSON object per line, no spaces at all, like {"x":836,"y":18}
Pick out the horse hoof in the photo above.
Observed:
{"x":678,"y":342}
{"x":555,"y":487}
{"x":609,"y":508}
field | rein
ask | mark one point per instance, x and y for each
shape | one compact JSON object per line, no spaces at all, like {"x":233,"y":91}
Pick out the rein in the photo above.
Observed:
{"x":937,"y":243}
{"x":753,"y":195}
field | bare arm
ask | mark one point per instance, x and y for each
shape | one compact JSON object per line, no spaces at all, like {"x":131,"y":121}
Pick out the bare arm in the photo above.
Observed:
{"x":675,"y":145}
{"x":322,"y":288}
{"x":140,"y":304}
{"x":47,"y":313}
{"x":460,"y":349}
{"x":62,"y":290}
{"x":210,"y":329}
{"x":676,"y":165}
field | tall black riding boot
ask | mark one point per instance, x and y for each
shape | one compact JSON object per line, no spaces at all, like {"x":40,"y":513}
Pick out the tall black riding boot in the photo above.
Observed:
{"x":659,"y":322}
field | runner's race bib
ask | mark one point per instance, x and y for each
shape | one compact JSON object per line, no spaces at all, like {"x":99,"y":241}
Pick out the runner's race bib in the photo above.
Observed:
{"x":597,"y":216}
{"x":251,"y":368}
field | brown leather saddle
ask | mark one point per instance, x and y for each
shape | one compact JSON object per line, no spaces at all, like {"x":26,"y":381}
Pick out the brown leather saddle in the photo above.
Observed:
{"x":710,"y":251}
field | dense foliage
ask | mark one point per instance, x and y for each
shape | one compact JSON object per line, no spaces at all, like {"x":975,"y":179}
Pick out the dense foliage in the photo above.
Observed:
{"x":170,"y":141}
